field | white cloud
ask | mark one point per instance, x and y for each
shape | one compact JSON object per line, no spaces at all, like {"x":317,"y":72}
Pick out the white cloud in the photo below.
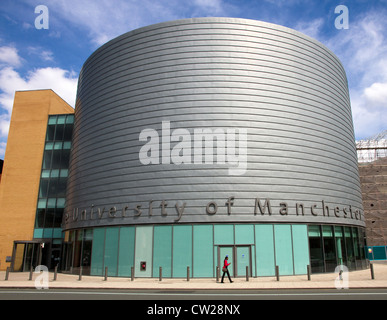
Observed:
{"x":368,"y":119}
{"x":369,"y":109}
{"x":376,"y":94}
{"x":363,"y":47}
{"x":9,"y":56}
{"x":363,"y":51}
{"x":104,"y":20}
{"x":211,"y":6}
{"x":27,"y":25}
{"x":45,"y":55}
{"x":4,"y":125}
{"x":310,"y":28}
{"x":2,"y":149}
{"x":63,"y":82}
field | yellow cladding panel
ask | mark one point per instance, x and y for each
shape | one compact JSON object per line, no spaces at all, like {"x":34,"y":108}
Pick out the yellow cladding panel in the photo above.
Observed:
{"x":22,"y":165}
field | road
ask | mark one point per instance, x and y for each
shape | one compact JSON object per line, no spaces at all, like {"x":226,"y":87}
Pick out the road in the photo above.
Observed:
{"x":193,"y":295}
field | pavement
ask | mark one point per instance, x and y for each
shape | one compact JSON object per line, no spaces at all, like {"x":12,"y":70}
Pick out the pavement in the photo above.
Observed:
{"x":353,"y":280}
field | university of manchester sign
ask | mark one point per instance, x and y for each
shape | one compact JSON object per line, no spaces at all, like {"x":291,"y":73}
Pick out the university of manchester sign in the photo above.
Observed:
{"x":175,"y":211}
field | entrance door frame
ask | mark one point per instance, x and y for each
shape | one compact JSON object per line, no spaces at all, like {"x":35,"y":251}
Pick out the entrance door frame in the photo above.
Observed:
{"x":234,"y":256}
{"x":38,"y":245}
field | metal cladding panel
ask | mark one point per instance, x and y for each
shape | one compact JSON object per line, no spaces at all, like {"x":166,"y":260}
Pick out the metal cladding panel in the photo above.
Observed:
{"x":213,"y":120}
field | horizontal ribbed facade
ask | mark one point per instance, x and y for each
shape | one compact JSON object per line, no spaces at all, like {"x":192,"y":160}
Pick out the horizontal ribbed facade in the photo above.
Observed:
{"x":215,"y":120}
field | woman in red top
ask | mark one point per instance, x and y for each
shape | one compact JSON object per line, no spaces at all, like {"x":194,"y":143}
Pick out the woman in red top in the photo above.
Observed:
{"x":225,"y":269}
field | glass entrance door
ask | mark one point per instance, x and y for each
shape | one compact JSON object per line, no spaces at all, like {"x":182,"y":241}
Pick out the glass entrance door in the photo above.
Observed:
{"x":26,"y":255}
{"x":243,"y":260}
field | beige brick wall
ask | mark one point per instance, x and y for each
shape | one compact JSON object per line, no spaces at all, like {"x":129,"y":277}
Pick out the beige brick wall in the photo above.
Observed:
{"x":22,"y":165}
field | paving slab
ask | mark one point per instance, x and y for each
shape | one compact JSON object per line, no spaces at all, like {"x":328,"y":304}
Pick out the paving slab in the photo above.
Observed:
{"x":353,"y":279}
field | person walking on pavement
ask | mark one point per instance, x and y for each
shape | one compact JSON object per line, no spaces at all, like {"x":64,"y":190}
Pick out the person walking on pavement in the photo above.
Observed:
{"x":225,"y":269}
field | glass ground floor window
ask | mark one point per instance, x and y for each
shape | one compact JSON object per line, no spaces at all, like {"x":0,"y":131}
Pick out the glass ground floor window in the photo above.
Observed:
{"x":29,"y":254}
{"x":200,"y":249}
{"x":331,"y":246}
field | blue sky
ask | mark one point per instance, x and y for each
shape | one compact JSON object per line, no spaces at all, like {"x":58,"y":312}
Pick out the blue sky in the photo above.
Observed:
{"x":51,"y":58}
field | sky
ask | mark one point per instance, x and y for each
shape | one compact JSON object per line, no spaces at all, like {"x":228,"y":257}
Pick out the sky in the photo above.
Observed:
{"x":32,"y":57}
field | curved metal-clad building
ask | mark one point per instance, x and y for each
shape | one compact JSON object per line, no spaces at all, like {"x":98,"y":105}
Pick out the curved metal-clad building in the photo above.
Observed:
{"x":221,"y":130}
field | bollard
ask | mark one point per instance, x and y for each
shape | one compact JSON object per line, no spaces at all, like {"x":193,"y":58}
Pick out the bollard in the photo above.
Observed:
{"x":187,"y":273}
{"x":7,"y":273}
{"x":106,"y":274}
{"x":308,"y":271}
{"x":55,"y":273}
{"x":80,"y":274}
{"x":372,"y":271}
{"x":132,"y":273}
{"x":247,"y":273}
{"x":217,"y":273}
{"x":160,"y":273}
{"x":277,"y":272}
{"x":30,"y":276}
